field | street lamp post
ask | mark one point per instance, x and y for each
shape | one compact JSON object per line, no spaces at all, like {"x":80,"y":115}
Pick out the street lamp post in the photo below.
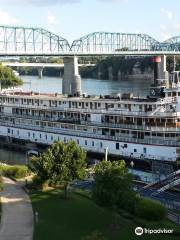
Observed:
{"x":132,"y":165}
{"x":106,"y":153}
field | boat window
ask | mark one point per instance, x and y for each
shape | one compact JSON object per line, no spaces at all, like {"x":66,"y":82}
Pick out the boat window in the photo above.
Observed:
{"x":145,"y":150}
{"x":117,"y":146}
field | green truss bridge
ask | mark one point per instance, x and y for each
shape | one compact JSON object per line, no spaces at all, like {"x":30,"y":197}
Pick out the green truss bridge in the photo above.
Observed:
{"x":29,"y":41}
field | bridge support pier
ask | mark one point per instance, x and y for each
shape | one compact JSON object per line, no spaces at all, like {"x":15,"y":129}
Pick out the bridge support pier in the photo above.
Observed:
{"x":119,"y":75}
{"x":99,"y":73}
{"x":40,"y":72}
{"x":71,"y":84}
{"x":110,"y":73}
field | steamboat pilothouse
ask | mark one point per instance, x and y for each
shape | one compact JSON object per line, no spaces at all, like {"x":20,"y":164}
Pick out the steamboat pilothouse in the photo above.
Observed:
{"x":138,"y":128}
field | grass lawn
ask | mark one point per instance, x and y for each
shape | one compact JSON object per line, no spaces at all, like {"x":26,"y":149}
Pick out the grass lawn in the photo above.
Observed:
{"x":78,"y":217}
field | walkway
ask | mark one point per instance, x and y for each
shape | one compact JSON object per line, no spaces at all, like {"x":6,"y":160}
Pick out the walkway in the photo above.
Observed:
{"x":17,"y":214}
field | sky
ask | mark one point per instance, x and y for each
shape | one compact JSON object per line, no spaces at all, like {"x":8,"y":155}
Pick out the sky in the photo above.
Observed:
{"x":73,"y":19}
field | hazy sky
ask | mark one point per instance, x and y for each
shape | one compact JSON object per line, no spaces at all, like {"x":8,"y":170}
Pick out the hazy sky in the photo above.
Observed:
{"x":74,"y":18}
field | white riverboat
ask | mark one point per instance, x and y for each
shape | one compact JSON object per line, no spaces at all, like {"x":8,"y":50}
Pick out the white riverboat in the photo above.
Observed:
{"x":139,"y":128}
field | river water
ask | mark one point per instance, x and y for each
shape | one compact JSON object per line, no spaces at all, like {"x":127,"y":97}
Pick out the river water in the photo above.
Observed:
{"x":89,"y":86}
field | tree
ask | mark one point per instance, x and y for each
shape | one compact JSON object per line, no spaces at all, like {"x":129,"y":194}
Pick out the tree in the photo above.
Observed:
{"x":60,"y":164}
{"x":7,"y":77}
{"x":112,"y":186}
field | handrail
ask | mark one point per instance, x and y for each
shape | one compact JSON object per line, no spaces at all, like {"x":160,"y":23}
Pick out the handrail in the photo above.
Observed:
{"x":91,"y":123}
{"x":169,"y":185}
{"x":73,"y":132}
{"x":160,"y":181}
{"x":97,"y":111}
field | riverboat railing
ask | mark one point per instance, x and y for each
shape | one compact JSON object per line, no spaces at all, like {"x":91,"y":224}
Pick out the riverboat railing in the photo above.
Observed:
{"x":92,"y":123}
{"x":79,"y":133}
{"x":95,"y":111}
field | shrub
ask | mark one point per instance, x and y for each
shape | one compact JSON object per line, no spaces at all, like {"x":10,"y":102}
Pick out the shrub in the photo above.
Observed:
{"x":128,"y":201}
{"x":150,"y":210}
{"x":16,"y":171}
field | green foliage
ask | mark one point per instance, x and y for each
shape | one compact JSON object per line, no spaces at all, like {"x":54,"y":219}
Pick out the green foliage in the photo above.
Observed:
{"x":1,"y":183}
{"x":16,"y":171}
{"x":125,"y":65}
{"x":60,"y":164}
{"x":150,"y":210}
{"x":8,"y":78}
{"x":112,"y":186}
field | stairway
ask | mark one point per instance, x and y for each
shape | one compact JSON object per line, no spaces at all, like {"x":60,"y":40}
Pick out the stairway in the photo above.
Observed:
{"x":170,"y":181}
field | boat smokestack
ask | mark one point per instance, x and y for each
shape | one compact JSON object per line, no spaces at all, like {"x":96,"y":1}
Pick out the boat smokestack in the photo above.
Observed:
{"x":157,"y":68}
{"x":161,"y":75}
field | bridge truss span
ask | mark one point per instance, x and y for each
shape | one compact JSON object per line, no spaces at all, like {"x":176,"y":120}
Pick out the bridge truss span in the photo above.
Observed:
{"x":174,"y":41}
{"x":100,"y":42}
{"x":30,"y":40}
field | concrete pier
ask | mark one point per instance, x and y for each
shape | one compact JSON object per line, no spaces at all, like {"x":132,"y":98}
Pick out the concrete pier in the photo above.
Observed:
{"x":71,"y":80}
{"x":40,"y":72}
{"x":110,"y":73}
{"x":99,"y":73}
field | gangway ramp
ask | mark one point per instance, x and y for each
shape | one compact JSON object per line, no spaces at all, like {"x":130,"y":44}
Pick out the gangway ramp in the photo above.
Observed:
{"x":170,"y":181}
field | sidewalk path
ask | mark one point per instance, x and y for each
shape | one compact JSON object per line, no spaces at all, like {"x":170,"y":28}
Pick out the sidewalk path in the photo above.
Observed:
{"x":17,"y":214}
